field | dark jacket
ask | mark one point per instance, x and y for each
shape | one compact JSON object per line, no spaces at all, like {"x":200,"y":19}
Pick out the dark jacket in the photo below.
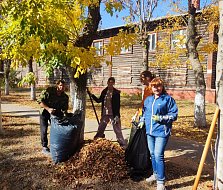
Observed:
{"x":115,"y":101}
{"x":52,"y":100}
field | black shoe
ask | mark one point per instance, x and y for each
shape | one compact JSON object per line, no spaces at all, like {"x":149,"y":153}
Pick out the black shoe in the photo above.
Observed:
{"x":46,"y":151}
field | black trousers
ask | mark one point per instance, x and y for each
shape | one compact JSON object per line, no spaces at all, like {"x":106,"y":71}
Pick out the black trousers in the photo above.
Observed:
{"x":44,"y":120}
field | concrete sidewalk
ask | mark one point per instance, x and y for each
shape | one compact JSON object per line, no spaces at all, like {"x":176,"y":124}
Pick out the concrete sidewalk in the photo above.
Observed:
{"x":91,"y":125}
{"x":177,"y":150}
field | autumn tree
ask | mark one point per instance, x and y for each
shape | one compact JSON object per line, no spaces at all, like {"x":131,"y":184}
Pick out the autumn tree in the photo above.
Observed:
{"x":56,"y":34}
{"x":1,"y":130}
{"x":140,"y":12}
{"x":187,"y":44}
{"x":191,"y":44}
{"x":33,"y":83}
{"x":193,"y":56}
{"x":7,"y":64}
{"x":53,"y":33}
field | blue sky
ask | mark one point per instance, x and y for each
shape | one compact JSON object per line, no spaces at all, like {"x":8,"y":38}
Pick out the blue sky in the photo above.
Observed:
{"x":162,"y":10}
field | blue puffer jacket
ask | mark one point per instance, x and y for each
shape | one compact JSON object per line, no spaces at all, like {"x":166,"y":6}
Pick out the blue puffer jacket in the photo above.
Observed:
{"x":166,"y":108}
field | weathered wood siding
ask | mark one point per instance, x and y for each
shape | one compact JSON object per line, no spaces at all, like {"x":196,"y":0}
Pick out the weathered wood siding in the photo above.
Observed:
{"x":126,"y":67}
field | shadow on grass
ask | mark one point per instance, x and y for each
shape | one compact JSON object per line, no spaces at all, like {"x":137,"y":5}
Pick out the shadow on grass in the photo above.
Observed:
{"x":182,"y":165}
{"x":189,"y":183}
{"x":23,"y":166}
{"x":13,"y":132}
{"x":24,"y":172}
{"x":21,"y":124}
{"x":35,"y":112}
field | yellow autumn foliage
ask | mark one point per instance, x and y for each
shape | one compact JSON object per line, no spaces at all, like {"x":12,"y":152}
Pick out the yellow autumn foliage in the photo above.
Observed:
{"x":167,"y":56}
{"x":46,"y":29}
{"x":122,"y":40}
{"x":211,"y":15}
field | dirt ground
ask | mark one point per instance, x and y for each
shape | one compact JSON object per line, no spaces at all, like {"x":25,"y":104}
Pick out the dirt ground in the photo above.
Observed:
{"x":23,"y":166}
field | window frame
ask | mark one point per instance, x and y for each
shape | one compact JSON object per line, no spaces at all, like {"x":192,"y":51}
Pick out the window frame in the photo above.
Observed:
{"x":128,"y":50}
{"x":181,"y":32}
{"x":150,"y":40}
{"x":99,"y":49}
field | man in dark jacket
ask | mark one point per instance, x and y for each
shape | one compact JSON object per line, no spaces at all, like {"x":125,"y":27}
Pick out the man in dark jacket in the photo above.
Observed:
{"x":110,"y":111}
{"x":54,"y":101}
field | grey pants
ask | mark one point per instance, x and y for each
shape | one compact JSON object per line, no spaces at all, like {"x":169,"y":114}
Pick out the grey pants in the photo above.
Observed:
{"x":116,"y":127}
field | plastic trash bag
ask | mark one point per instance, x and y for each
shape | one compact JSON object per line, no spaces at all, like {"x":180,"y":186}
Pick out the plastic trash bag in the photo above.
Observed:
{"x":133,"y":130}
{"x":64,"y":137}
{"x":137,"y":154}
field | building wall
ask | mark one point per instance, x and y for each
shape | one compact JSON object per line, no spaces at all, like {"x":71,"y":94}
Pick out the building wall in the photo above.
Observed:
{"x":43,"y":79}
{"x":127,"y":67}
{"x":177,"y":94}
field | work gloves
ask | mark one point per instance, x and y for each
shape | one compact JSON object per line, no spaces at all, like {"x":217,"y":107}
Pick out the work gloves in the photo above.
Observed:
{"x":161,"y":118}
{"x":156,"y":117}
{"x":140,"y":125}
{"x":137,"y":115}
{"x":134,"y":117}
{"x":116,"y":119}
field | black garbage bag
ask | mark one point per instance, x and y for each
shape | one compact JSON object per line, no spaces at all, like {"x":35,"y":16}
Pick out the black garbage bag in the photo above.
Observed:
{"x":64,"y":136}
{"x":137,"y":155}
{"x":133,"y":130}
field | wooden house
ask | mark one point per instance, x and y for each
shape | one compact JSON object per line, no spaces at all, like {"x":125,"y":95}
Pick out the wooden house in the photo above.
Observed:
{"x":127,"y":66}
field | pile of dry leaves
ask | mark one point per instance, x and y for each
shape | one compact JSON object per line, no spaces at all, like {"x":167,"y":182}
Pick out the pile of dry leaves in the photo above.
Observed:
{"x":100,"y":158}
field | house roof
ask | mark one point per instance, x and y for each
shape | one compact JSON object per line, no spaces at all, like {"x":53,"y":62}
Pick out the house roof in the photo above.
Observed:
{"x":115,"y":29}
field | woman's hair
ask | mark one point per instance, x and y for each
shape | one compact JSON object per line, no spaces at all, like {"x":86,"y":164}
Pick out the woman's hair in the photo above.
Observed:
{"x":158,"y":82}
{"x":147,"y":74}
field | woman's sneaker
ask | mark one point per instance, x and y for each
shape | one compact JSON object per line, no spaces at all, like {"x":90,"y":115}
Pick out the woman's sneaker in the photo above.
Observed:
{"x":151,"y":179}
{"x":46,"y":151}
{"x":161,"y":187}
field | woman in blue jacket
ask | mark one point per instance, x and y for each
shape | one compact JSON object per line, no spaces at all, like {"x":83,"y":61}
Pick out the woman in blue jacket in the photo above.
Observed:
{"x":159,"y":112}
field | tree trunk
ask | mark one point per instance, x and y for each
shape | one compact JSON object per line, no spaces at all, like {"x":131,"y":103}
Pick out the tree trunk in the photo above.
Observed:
{"x":33,"y":86}
{"x":91,"y":27}
{"x":7,"y":72}
{"x":1,"y":80}
{"x":78,"y":98}
{"x":219,"y":92}
{"x":144,"y":43}
{"x":1,"y":130}
{"x":145,"y":58}
{"x":33,"y":91}
{"x":78,"y":86}
{"x":192,"y":42}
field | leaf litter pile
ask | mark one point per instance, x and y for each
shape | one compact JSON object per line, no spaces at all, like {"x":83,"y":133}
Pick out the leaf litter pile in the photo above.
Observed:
{"x":100,"y":158}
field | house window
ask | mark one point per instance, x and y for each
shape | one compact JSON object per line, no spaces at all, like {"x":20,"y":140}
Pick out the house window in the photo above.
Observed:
{"x":126,"y":50}
{"x":99,"y":47}
{"x":178,"y":39}
{"x":152,"y":41}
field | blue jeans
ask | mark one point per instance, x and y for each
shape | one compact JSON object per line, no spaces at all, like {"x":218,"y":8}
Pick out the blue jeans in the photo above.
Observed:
{"x":156,"y":147}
